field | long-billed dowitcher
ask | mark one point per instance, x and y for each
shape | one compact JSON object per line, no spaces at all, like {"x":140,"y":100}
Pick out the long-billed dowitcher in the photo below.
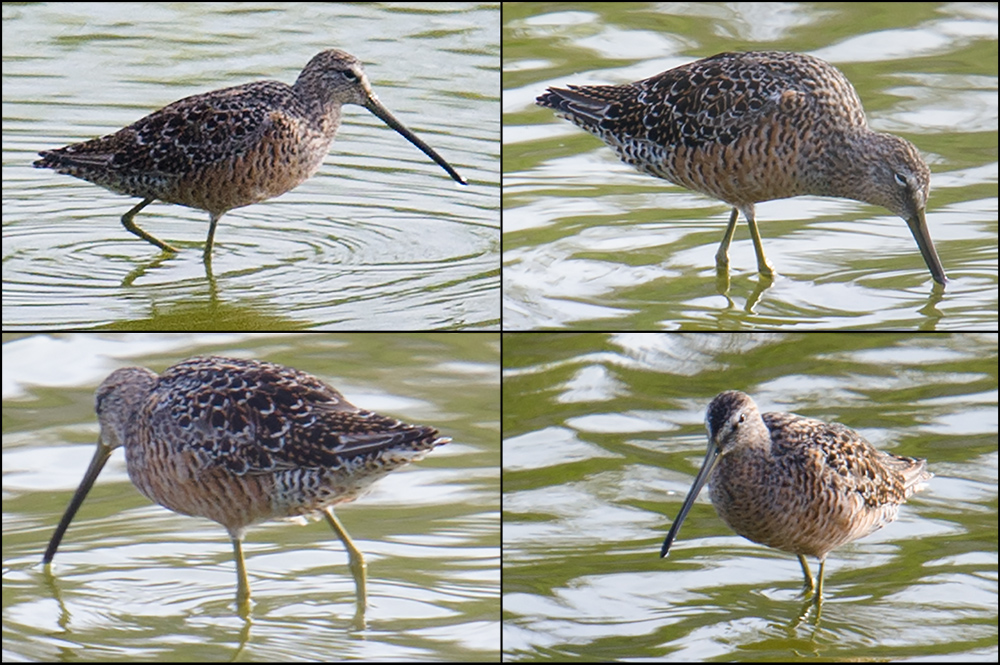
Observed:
{"x":753,"y":127}
{"x":797,"y":484}
{"x":232,"y":147}
{"x":242,"y":442}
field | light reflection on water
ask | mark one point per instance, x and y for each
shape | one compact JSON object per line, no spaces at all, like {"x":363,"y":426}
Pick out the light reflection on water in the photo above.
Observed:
{"x":380,"y":237}
{"x":430,"y":533}
{"x":591,"y":243}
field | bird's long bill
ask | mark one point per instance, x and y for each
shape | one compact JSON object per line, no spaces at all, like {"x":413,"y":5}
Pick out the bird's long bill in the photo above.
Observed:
{"x":101,"y":456}
{"x":375,"y":106}
{"x":918,"y":227}
{"x":711,"y":458}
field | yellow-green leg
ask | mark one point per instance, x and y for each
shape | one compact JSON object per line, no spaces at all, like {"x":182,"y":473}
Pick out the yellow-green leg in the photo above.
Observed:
{"x":817,"y":585}
{"x":763,"y":265}
{"x":130,"y":225}
{"x":722,"y":256}
{"x":242,"y":584}
{"x":809,"y":586}
{"x":357,"y":560}
{"x":210,"y":241}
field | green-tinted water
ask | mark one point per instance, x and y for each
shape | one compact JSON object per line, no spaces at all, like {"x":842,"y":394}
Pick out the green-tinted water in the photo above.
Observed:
{"x":589,"y":243}
{"x":132,"y":578}
{"x":603,"y":435}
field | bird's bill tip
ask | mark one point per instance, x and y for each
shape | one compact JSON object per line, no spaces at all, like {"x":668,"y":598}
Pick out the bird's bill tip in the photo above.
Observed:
{"x":712,"y":456}
{"x":97,"y":463}
{"x":918,"y":227}
{"x":382,"y":113}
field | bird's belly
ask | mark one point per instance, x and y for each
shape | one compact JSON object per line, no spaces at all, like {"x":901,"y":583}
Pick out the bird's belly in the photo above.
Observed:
{"x":790,"y":519}
{"x":183,"y":483}
{"x":260,"y":173}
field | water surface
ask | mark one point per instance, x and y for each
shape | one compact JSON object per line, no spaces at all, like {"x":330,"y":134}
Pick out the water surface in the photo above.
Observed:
{"x":379,"y":238}
{"x":132,"y":578}
{"x":589,"y":243}
{"x":603,"y":435}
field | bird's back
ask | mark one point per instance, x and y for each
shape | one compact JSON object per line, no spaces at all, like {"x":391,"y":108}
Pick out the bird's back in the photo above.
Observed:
{"x":741,"y":127}
{"x":240,"y":441}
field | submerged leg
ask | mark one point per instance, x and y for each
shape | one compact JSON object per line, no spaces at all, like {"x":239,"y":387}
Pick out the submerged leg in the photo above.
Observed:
{"x":763,"y":266}
{"x":357,"y":561}
{"x":211,"y":235}
{"x":815,"y":586}
{"x":819,"y":586}
{"x":129,"y":224}
{"x":722,"y":256}
{"x":809,"y":586}
{"x":242,"y":584}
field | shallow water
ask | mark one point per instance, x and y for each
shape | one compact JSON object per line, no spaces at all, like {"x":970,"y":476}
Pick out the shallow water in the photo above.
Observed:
{"x":589,"y":243}
{"x":380,"y":237}
{"x":132,"y":579}
{"x":603,"y":435}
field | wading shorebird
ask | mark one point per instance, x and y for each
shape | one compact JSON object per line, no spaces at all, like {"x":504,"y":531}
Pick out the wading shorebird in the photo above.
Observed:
{"x":232,"y":147}
{"x":241,"y":442}
{"x":751,"y":127}
{"x":797,"y":484}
